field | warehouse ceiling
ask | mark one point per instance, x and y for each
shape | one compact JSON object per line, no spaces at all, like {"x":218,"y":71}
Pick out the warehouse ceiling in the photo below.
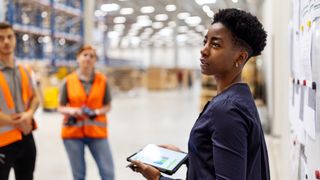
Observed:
{"x":136,"y":23}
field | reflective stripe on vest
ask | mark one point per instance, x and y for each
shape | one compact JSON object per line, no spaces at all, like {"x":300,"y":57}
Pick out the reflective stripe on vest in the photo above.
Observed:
{"x":94,"y":100}
{"x":10,"y":134}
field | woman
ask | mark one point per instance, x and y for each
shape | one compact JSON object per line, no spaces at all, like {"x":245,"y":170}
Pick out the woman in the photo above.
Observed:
{"x":226,"y":141}
{"x":85,"y":100}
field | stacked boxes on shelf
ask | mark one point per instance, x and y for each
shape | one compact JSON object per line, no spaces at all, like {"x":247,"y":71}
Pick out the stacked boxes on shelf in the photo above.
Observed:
{"x":46,"y":29}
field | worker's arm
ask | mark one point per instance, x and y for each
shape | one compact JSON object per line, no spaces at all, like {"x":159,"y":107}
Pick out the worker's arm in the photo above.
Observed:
{"x":24,"y":121}
{"x":6,"y":119}
{"x":104,"y":110}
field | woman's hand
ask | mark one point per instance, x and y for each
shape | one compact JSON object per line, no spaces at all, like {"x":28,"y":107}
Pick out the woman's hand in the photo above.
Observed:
{"x":149,"y":172}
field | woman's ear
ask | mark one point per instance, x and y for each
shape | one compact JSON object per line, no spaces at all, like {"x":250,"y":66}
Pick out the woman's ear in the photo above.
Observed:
{"x":242,"y":58}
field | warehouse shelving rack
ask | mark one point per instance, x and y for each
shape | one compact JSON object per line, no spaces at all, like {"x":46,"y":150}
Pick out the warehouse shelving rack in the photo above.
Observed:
{"x":46,"y":29}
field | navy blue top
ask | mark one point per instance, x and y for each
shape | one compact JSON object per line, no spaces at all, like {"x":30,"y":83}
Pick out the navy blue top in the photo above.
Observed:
{"x":227,"y":140}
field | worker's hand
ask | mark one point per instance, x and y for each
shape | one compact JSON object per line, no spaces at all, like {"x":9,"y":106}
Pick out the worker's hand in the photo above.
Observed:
{"x":23,"y":116}
{"x":149,"y":172}
{"x":25,"y":127}
{"x":75,"y":112}
{"x":171,"y":147}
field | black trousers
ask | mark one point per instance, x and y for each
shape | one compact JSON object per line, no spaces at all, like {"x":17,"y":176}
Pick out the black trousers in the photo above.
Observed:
{"x":20,"y":156}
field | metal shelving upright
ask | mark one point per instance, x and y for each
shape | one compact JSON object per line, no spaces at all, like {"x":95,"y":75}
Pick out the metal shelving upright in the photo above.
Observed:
{"x":46,"y":29}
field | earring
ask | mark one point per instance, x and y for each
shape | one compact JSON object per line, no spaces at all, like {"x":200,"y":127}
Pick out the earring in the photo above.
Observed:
{"x":237,"y":65}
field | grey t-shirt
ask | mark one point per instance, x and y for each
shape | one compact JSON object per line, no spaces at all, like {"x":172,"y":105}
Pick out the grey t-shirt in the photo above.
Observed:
{"x":13,"y":78}
{"x":87,"y":86}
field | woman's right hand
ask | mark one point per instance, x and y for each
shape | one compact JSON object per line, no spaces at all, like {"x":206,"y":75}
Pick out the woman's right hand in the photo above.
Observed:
{"x":171,"y":147}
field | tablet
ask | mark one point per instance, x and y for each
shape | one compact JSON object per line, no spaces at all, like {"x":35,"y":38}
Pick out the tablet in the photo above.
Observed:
{"x":167,"y":161}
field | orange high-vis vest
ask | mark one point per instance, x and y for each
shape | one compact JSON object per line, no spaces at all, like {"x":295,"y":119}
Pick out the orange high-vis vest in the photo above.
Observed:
{"x":10,"y":134}
{"x":77,"y":97}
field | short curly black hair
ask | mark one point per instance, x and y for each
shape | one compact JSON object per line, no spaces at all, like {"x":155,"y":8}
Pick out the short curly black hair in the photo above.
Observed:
{"x":247,"y":31}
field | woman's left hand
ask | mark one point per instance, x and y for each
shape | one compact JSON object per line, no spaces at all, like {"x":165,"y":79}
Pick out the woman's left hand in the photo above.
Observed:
{"x":149,"y":172}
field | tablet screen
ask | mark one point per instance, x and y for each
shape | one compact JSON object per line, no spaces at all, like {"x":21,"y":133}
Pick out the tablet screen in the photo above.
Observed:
{"x":163,"y":159}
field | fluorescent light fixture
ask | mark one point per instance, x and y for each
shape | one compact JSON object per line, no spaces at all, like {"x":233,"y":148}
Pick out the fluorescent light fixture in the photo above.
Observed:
{"x":144,"y":22}
{"x":44,"y":14}
{"x":25,"y":37}
{"x":113,"y":34}
{"x":202,"y":2}
{"x":172,"y":24}
{"x":99,"y":13}
{"x":183,"y":29}
{"x":119,"y":20}
{"x":161,"y":17}
{"x":183,"y":15}
{"x":110,"y":7}
{"x":210,"y":14}
{"x":165,"y":32}
{"x":182,"y":38}
{"x":142,"y":17}
{"x":171,"y":7}
{"x":148,"y":30}
{"x":157,"y":25}
{"x":206,"y":8}
{"x":235,"y":1}
{"x":194,"y":20}
{"x":119,"y":27}
{"x":62,"y":41}
{"x":46,"y":39}
{"x":126,"y":11}
{"x":147,"y":9}
{"x":200,"y":28}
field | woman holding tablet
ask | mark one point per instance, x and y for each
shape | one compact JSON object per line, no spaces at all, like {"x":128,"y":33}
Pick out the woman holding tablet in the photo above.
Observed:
{"x":227,"y":140}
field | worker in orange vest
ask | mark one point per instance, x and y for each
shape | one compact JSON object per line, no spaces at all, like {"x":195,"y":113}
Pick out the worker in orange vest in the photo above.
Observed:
{"x":18,"y":105}
{"x":85,"y":100}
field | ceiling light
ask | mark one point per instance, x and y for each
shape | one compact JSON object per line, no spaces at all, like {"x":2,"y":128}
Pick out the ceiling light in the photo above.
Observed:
{"x":206,"y":8}
{"x":161,"y":17}
{"x":202,"y":2}
{"x":200,"y":28}
{"x":119,"y":20}
{"x":157,"y":25}
{"x":172,"y":24}
{"x":144,"y":22}
{"x":25,"y":37}
{"x":235,"y":1}
{"x":126,"y":11}
{"x":147,"y":9}
{"x":113,"y":34}
{"x":148,"y":30}
{"x":119,"y":27}
{"x":110,"y":7}
{"x":182,"y":38}
{"x":171,"y":7}
{"x":142,"y":17}
{"x":182,"y":29}
{"x":194,"y":20}
{"x":183,"y":15}
{"x":165,"y":32}
{"x":210,"y":14}
{"x":99,"y":13}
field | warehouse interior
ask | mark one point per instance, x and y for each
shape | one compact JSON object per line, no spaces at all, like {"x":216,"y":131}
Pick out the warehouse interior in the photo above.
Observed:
{"x":149,"y":51}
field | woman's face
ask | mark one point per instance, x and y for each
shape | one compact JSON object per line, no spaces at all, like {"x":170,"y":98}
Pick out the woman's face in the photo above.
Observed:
{"x":87,"y":59}
{"x":218,"y":55}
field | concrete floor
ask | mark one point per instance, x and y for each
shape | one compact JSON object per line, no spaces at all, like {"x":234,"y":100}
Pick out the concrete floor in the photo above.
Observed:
{"x":136,"y":119}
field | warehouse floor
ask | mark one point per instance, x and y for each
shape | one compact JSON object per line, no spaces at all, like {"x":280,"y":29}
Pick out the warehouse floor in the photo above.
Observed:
{"x":136,"y":119}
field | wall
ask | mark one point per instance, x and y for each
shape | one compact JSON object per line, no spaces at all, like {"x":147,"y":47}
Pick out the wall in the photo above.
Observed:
{"x":276,"y":17}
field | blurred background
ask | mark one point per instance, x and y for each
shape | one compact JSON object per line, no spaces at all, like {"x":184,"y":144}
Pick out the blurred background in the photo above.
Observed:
{"x":150,"y":50}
